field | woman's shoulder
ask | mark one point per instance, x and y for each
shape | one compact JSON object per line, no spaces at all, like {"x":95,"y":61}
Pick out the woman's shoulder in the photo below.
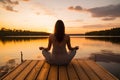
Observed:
{"x":51,"y":36}
{"x":67,"y":35}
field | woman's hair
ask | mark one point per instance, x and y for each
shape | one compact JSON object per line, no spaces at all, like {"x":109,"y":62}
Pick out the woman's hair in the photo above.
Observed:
{"x":59,"y":30}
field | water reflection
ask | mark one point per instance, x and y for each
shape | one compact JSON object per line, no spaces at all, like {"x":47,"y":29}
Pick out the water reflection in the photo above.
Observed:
{"x":105,"y":56}
{"x":105,"y":38}
{"x":101,"y":49}
{"x":10,"y":64}
{"x":109,"y":60}
{"x":20,"y":38}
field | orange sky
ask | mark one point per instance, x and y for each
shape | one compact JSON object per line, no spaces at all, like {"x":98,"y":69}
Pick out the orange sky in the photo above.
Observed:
{"x":79,"y":16}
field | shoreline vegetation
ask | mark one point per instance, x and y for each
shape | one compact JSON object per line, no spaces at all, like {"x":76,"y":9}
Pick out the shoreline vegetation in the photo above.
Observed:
{"x":4,"y":32}
{"x":9,"y":32}
{"x":109,"y":32}
{"x":23,"y":33}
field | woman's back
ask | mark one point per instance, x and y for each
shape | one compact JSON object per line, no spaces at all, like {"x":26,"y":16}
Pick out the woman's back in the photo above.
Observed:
{"x":59,"y":48}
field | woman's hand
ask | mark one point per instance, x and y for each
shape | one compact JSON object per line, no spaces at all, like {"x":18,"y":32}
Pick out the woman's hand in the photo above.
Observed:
{"x":76,"y":48}
{"x":41,"y":48}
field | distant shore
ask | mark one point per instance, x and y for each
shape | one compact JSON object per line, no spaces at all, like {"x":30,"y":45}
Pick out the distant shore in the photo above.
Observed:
{"x":25,"y":33}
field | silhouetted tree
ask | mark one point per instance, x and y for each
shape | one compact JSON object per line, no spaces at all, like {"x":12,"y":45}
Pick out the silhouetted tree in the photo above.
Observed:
{"x":110,"y":32}
{"x":14,"y":32}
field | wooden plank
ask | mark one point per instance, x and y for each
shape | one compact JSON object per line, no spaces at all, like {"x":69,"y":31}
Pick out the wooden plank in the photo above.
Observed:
{"x":102,"y":73}
{"x":15,"y":72}
{"x":77,"y":70}
{"x":44,"y":72}
{"x":53,"y":74}
{"x":24,"y":73}
{"x":81,"y":74}
{"x":71,"y":72}
{"x":63,"y":73}
{"x":32,"y":75}
{"x":88,"y":70}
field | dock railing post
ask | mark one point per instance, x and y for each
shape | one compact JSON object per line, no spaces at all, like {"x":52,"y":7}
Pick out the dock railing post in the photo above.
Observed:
{"x":21,"y":57}
{"x":95,"y":58}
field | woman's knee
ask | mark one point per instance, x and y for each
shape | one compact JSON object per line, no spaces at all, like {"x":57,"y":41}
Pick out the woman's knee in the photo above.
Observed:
{"x":72,"y":52}
{"x":46,"y":54}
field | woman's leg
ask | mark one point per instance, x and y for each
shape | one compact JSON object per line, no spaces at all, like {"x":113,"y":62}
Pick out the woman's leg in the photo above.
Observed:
{"x":71,"y":54}
{"x":47,"y":55}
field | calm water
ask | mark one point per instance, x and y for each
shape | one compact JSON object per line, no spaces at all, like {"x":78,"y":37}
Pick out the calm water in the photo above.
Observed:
{"x":104,"y":50}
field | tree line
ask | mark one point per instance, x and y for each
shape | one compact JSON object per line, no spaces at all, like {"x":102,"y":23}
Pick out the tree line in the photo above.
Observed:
{"x":14,"y":32}
{"x":110,"y":32}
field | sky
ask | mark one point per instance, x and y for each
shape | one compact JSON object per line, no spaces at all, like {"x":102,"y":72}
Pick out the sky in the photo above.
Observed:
{"x":79,"y":16}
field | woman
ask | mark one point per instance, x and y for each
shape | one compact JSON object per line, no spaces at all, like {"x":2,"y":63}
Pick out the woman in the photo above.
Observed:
{"x":59,"y":40}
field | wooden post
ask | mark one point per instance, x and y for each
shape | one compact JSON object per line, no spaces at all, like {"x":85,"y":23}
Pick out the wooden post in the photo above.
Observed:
{"x":95,"y":58}
{"x":21,"y":57}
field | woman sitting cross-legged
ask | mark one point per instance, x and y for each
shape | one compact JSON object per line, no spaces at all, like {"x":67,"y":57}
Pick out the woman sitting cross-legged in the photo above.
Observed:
{"x":59,"y":40}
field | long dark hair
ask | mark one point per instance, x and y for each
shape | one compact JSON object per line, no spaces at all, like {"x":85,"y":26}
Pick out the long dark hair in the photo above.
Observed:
{"x":59,"y":30}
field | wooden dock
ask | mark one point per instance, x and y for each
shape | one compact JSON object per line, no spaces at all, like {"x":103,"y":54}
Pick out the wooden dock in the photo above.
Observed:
{"x":77,"y":70}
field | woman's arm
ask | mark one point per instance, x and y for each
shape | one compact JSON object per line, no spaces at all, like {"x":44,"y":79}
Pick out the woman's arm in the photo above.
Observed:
{"x":48,"y":47}
{"x":69,"y":45}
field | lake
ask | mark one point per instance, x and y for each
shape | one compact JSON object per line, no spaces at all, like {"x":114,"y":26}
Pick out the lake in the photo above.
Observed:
{"x":104,"y":50}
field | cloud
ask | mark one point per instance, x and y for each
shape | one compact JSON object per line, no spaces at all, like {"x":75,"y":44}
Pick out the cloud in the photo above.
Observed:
{"x":76,"y":8}
{"x":10,"y":4}
{"x":42,"y":10}
{"x":45,"y":12}
{"x":77,"y":20}
{"x":97,"y":27}
{"x":101,"y":26}
{"x":106,"y":11}
{"x":9,"y":8}
{"x":108,"y":18}
{"x":110,"y":12}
